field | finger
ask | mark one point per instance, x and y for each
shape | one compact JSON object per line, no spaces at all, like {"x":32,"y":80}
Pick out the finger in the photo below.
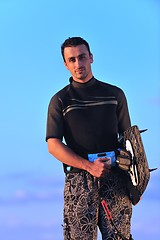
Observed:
{"x":104,"y":159}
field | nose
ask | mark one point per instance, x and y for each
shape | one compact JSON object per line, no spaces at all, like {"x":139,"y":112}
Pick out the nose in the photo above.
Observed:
{"x":78,"y":63}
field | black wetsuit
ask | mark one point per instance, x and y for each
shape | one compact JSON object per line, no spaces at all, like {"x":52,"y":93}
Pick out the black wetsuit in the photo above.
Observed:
{"x":89,"y":116}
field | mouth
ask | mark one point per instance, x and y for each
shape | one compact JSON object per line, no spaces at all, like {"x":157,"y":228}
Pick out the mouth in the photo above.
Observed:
{"x":80,"y":70}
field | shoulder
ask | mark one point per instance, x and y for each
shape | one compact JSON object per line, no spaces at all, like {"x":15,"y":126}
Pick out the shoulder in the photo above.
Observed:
{"x":115,"y":90}
{"x":60,"y":95}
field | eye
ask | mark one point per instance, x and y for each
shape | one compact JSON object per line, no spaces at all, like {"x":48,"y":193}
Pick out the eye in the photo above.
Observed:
{"x":82,"y":57}
{"x":72,"y":59}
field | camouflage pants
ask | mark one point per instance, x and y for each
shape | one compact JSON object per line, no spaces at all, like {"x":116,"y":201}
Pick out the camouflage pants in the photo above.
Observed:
{"x":83,"y":211}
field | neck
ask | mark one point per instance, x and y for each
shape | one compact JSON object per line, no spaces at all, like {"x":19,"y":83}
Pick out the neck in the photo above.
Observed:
{"x":84,"y":80}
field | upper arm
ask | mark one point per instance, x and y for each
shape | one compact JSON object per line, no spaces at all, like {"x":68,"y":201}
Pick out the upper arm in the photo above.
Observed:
{"x":123,"y":113}
{"x":54,"y":128}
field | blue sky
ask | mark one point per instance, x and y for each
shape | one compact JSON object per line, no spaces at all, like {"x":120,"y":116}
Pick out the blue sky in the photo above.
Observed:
{"x":124,"y":38}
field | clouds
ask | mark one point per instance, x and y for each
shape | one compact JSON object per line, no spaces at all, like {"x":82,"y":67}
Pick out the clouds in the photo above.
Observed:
{"x":30,"y":232}
{"x":31,"y":206}
{"x":152,"y":193}
{"x":23,"y":187}
{"x":146,"y":214}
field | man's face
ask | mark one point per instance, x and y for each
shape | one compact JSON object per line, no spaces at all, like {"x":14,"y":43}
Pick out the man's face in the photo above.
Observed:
{"x":78,"y":62}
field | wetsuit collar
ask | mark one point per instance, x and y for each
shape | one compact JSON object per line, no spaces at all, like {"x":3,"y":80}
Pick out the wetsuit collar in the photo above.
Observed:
{"x":82,"y":85}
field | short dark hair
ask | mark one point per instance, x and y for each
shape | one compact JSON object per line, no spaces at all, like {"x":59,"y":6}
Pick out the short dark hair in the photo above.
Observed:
{"x":73,"y":42}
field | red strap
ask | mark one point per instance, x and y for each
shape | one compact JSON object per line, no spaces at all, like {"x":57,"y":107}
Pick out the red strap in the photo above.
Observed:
{"x":106,"y":209}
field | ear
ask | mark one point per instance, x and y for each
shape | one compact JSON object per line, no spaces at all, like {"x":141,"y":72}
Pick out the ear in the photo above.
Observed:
{"x":91,"y":57}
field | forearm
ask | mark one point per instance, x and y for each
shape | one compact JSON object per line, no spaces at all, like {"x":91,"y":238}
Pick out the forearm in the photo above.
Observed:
{"x":64,"y":154}
{"x":60,"y":151}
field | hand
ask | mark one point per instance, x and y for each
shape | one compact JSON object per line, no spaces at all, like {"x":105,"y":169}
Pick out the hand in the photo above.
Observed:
{"x":100,"y":167}
{"x":124,"y":160}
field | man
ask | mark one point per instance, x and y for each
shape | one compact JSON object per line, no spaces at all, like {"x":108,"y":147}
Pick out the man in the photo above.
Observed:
{"x":89,"y":115}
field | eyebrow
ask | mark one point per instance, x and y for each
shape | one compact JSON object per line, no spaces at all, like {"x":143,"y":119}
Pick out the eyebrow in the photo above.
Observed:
{"x":81,"y":55}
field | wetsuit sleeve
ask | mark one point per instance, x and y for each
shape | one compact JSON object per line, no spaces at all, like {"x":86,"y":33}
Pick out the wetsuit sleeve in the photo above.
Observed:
{"x":54,"y":127}
{"x":122,"y":113}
